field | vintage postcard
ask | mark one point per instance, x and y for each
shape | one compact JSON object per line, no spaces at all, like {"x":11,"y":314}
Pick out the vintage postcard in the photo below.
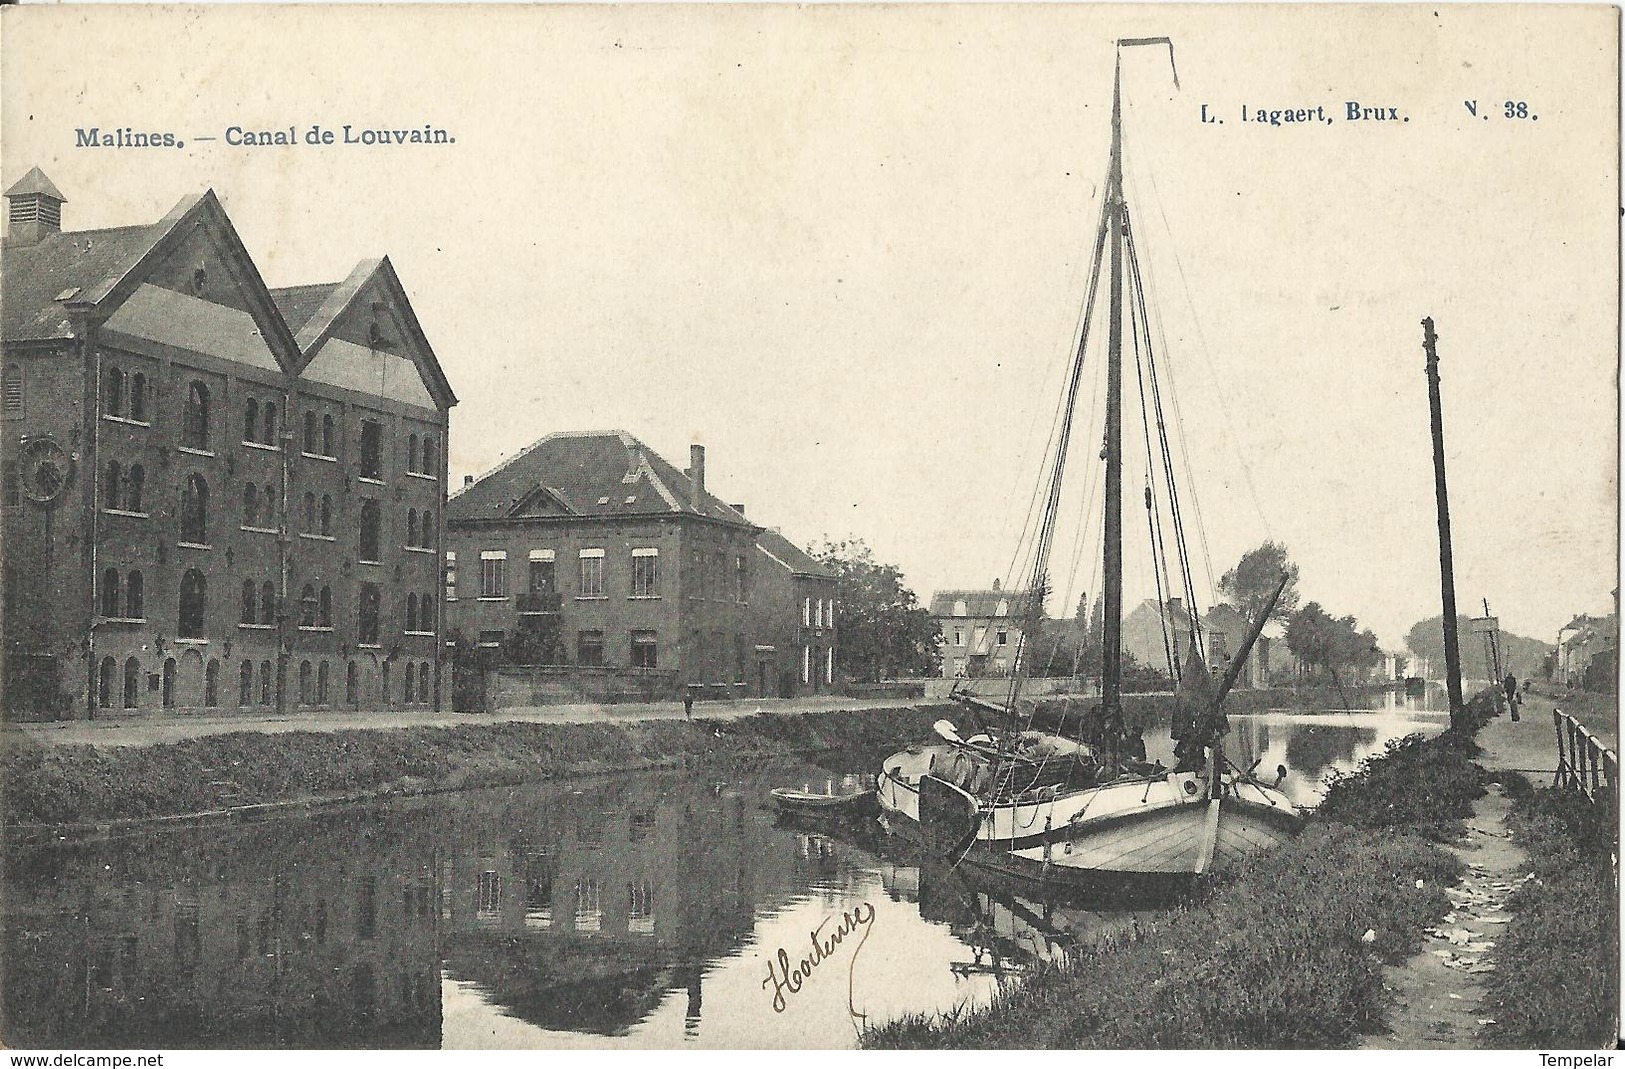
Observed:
{"x":759,"y":526}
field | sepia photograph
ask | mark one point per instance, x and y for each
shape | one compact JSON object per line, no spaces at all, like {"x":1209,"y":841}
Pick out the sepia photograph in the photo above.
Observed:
{"x":743,"y":527}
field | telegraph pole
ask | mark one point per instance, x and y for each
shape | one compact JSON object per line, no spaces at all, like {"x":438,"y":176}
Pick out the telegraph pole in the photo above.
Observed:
{"x":1447,"y":570}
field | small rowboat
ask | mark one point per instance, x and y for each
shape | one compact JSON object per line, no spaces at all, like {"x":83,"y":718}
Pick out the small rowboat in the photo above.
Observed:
{"x":825,"y":803}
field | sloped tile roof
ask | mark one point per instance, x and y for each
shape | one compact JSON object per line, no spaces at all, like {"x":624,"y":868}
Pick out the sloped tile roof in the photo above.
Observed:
{"x":977,"y":602}
{"x":792,"y":556}
{"x":298,"y":303}
{"x":84,"y":261}
{"x":599,"y":473}
{"x":35,"y":182}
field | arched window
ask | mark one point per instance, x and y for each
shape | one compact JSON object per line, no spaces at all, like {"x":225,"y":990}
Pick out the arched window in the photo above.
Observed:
{"x":307,"y":606}
{"x":383,"y":685}
{"x":194,"y":598}
{"x":411,"y":688}
{"x":426,"y":529}
{"x":267,"y":603}
{"x":310,"y":432}
{"x":327,"y":436}
{"x":133,"y":480}
{"x":104,"y":683}
{"x":265,"y":682}
{"x":352,"y":686}
{"x":169,"y":683}
{"x":324,"y":608}
{"x":411,"y":527}
{"x":268,"y":500}
{"x":132,"y":681}
{"x":245,"y":684}
{"x":195,"y":510}
{"x":412,"y":453}
{"x":423,"y":682}
{"x":195,"y":419}
{"x":268,"y":421}
{"x":251,"y":420}
{"x":211,"y":684}
{"x":113,"y":402}
{"x":110,"y":585}
{"x":251,"y":505}
{"x":426,"y":613}
{"x":411,"y":612}
{"x":321,"y":684}
{"x":250,"y":601}
{"x":428,"y":454}
{"x":327,"y":515}
{"x":113,"y":486}
{"x":304,"y":682}
{"x":135,"y":597}
{"x":310,"y":512}
{"x":13,"y":389}
{"x":369,"y":530}
{"x":138,"y":397}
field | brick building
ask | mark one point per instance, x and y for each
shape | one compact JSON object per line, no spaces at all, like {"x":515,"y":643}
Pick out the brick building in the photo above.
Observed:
{"x":216,"y":496}
{"x":590,"y":550}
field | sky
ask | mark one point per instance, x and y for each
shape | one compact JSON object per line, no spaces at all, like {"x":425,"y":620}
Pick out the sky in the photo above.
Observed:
{"x":845,"y":249}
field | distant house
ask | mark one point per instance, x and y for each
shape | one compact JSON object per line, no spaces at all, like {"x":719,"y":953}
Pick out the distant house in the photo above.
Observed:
{"x":1149,"y":633}
{"x":1587,"y":651}
{"x":1151,"y":636}
{"x":798,"y":647}
{"x":981,"y":630}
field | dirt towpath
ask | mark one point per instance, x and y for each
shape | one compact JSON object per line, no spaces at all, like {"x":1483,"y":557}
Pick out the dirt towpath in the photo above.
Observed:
{"x":1438,"y":995}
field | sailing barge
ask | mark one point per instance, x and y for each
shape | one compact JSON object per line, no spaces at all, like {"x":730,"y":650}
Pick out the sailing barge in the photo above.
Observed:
{"x":1091,"y":812}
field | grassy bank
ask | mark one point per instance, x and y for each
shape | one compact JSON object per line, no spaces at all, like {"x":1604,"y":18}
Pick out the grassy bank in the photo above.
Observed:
{"x":1278,"y":953}
{"x":1557,"y":965}
{"x":73,"y":785}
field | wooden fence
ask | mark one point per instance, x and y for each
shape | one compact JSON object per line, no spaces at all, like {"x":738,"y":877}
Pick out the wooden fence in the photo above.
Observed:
{"x":1583,"y":762}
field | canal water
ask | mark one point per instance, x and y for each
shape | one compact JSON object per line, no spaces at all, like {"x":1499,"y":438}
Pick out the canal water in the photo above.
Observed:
{"x":643,"y":910}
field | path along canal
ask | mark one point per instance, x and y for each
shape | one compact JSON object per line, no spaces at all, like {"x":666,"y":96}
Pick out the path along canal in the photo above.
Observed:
{"x":640,"y":910}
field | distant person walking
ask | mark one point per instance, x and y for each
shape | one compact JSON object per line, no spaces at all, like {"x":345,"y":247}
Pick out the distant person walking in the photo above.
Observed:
{"x":688,"y":704}
{"x":1511,"y":685}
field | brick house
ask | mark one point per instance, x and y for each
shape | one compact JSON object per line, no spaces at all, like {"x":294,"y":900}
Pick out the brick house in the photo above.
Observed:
{"x":216,"y":496}
{"x":795,"y":652}
{"x":591,"y":551}
{"x":981,"y":630}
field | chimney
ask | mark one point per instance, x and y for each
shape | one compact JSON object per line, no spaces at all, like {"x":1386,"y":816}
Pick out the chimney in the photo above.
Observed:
{"x":468,"y":480}
{"x":1175,"y":607}
{"x":696,"y":477}
{"x":995,"y":585}
{"x":35,"y":209}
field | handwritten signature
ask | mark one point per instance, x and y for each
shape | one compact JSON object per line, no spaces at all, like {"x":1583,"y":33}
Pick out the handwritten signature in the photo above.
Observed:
{"x":787,"y":980}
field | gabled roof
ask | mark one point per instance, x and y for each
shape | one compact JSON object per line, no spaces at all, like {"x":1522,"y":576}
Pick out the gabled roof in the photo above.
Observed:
{"x":978,"y":602}
{"x":591,"y":474}
{"x":63,"y":265}
{"x":299,"y":303}
{"x":103,"y":278}
{"x":35,"y":182}
{"x":791,"y":556}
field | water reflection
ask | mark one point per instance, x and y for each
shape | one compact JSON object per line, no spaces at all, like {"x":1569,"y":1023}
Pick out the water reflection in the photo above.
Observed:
{"x":642,"y":910}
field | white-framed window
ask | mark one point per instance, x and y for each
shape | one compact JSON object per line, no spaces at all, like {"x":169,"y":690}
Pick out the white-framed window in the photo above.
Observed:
{"x":961,"y":609}
{"x":829,"y":665}
{"x":646,"y":573}
{"x":451,"y":575}
{"x":592,"y":574}
{"x":542,"y":577}
{"x":1002,"y":609}
{"x":1004,"y":637}
{"x":806,"y":615}
{"x":493,"y":573}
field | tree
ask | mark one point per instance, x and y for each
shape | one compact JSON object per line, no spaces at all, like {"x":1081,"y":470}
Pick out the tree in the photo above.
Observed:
{"x":885,"y":632}
{"x":1250,"y":583}
{"x":1335,"y":644}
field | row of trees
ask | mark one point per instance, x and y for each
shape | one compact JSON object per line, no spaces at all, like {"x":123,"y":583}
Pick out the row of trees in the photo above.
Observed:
{"x":1326,"y":646}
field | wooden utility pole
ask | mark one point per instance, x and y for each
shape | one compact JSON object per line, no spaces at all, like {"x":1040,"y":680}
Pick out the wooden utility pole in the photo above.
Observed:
{"x":1447,"y":570}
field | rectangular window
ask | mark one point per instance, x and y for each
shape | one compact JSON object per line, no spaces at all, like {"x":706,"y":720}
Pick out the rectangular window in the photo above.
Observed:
{"x":590,"y":648}
{"x":372,"y":449}
{"x":646,"y":574}
{"x":494,"y":573}
{"x":806,"y":664}
{"x":451,"y":576}
{"x":644,"y":653}
{"x":741,"y":581}
{"x":367,"y":614}
{"x":829,"y":665}
{"x":980,"y":641}
{"x":1004,"y":638}
{"x":592,"y":574}
{"x":806,"y":614}
{"x":488,"y":895}
{"x":959,"y":637}
{"x":543,"y":580}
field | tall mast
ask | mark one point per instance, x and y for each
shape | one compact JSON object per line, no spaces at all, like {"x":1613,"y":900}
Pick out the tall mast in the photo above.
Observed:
{"x":1111,"y":667}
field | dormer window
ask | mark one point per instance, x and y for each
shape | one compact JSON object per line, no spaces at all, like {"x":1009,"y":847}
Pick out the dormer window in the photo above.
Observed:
{"x":961,"y":609}
{"x":200,"y":281}
{"x":1003,"y":608}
